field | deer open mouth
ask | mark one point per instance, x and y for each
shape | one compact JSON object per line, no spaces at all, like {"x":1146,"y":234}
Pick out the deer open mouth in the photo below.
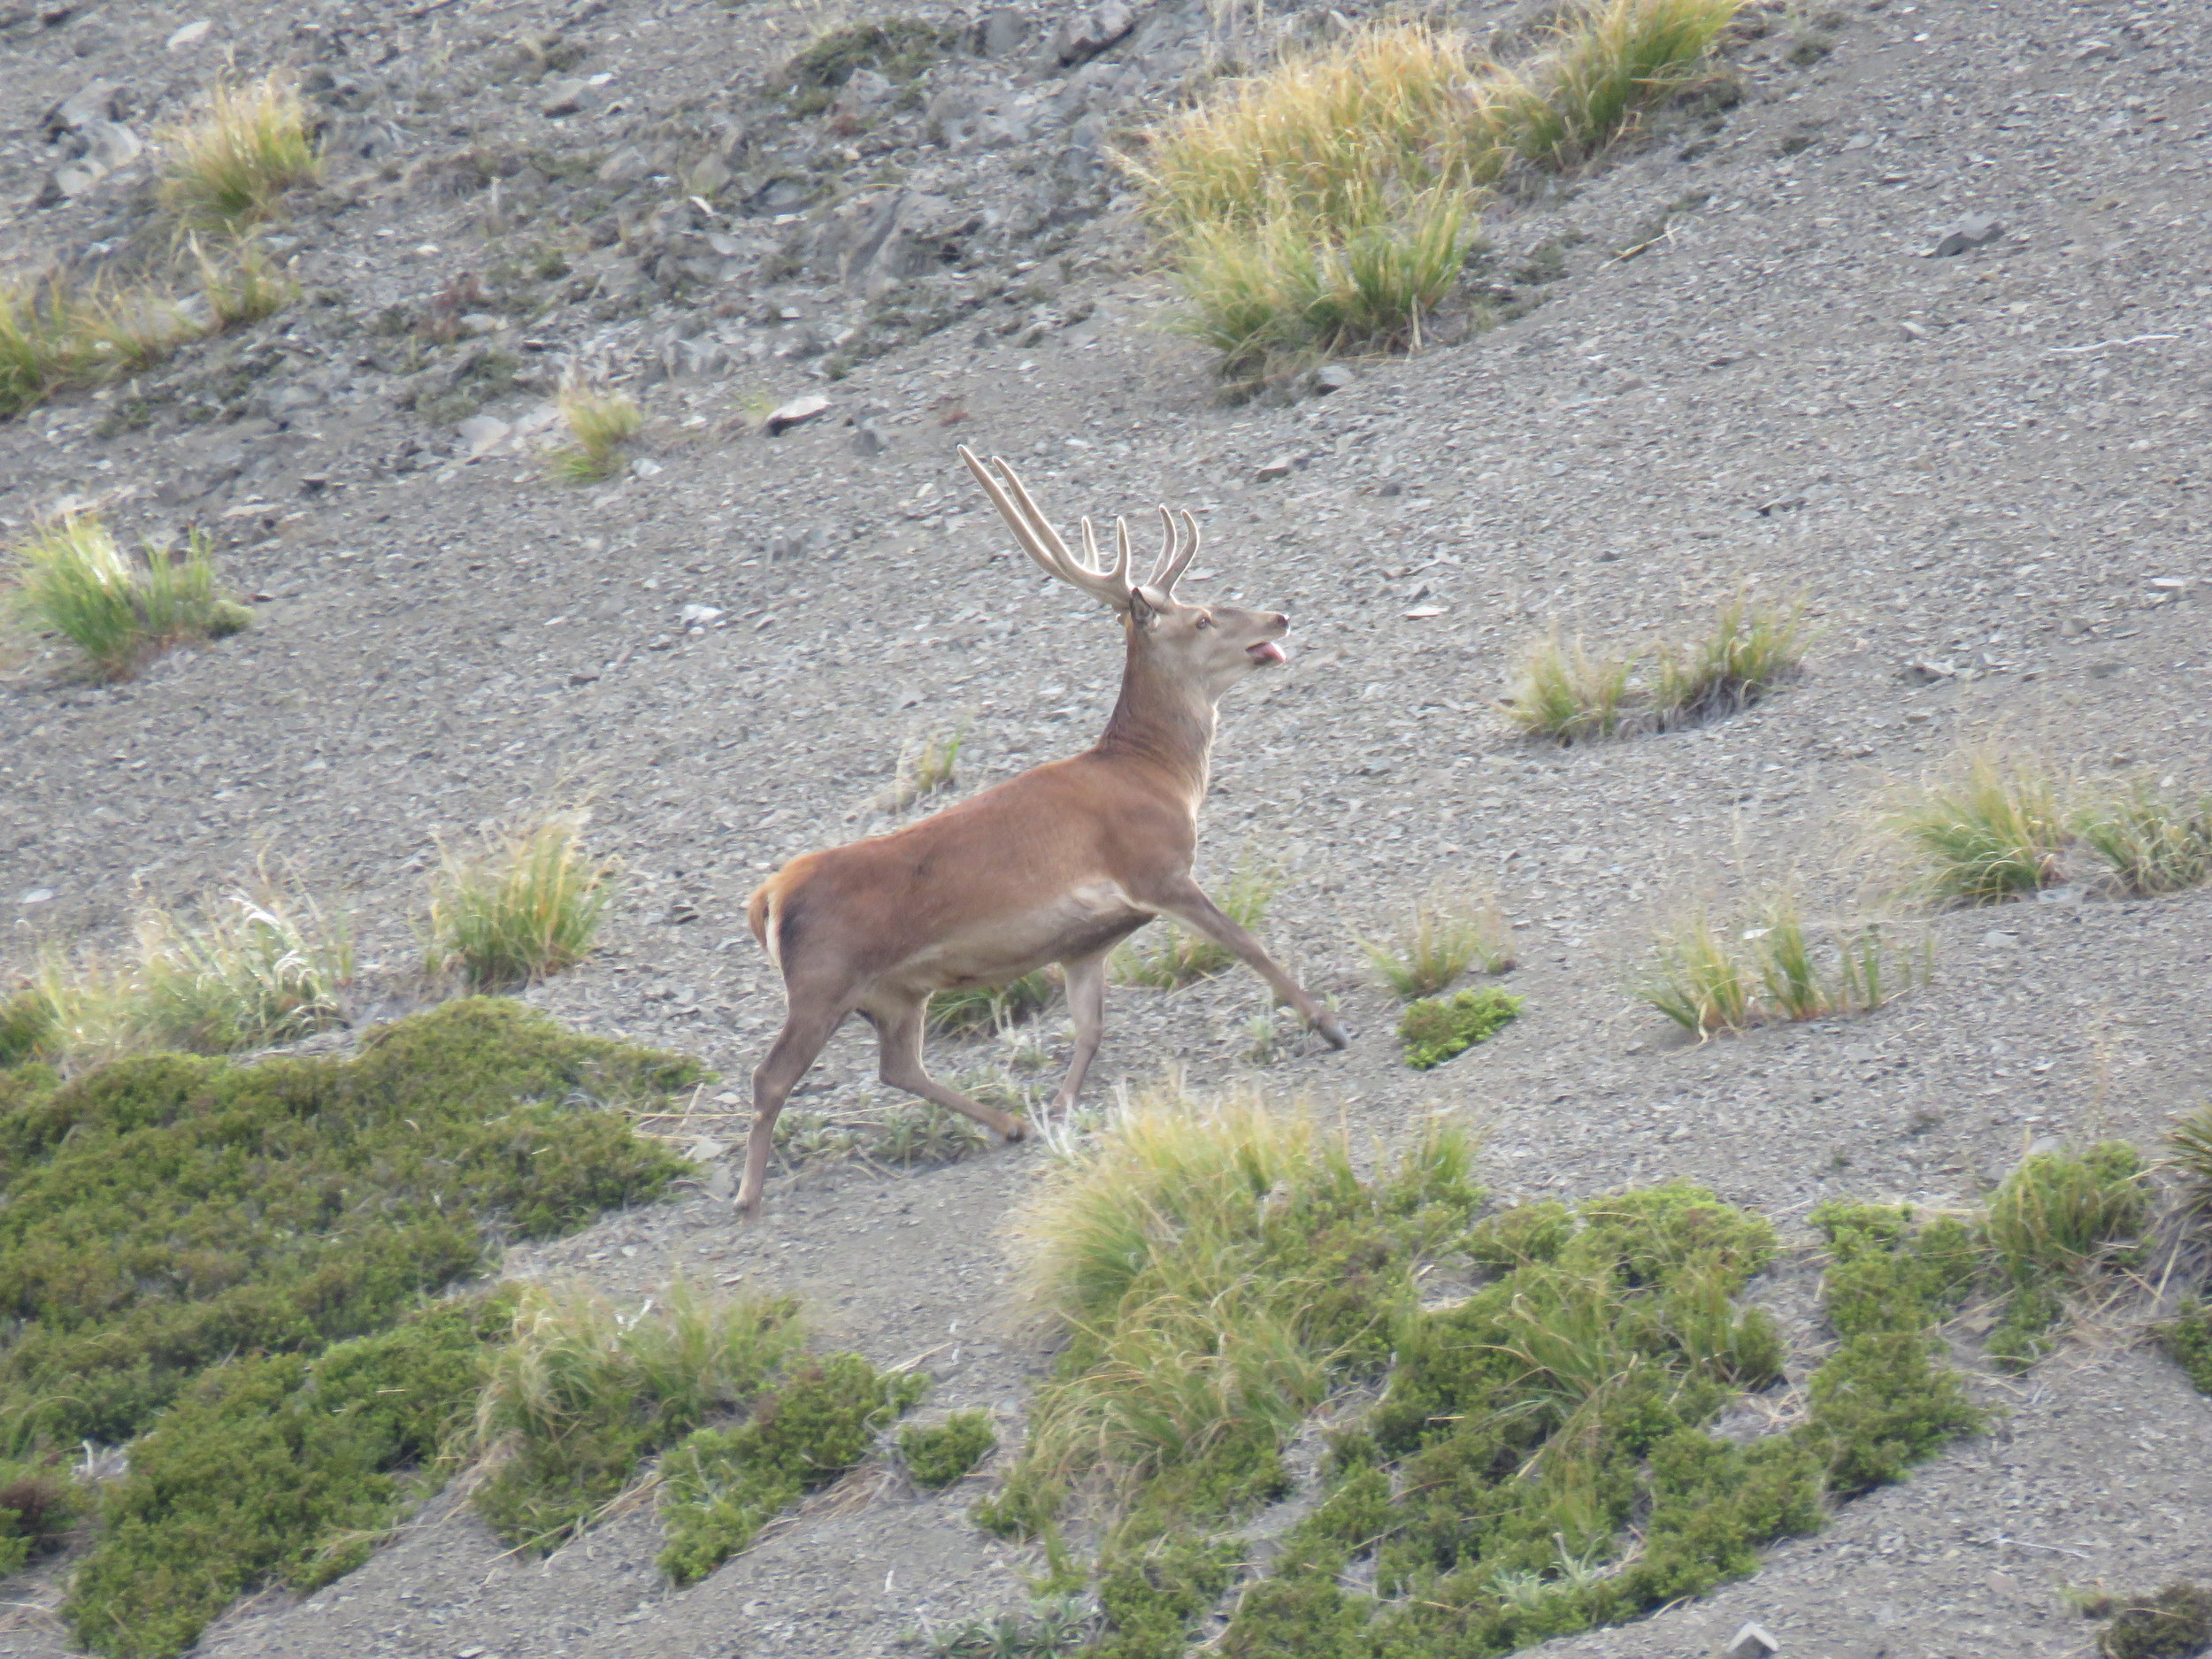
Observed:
{"x":1265,"y":652}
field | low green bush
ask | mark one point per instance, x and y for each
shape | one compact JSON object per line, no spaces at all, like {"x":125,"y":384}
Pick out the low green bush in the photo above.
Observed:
{"x":2188,"y":1338}
{"x":938,"y":1455}
{"x":166,"y":1213}
{"x":1435,"y":1029}
{"x":720,"y":1486}
{"x":2057,"y":1217}
{"x":2175,"y":1623}
{"x":277,"y":1470}
{"x":39,"y":1502}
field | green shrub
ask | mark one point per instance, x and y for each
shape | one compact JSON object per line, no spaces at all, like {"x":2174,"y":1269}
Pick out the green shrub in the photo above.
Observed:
{"x":282,"y":1470}
{"x":39,"y":1503}
{"x":2175,"y":1623}
{"x":721,"y":1485}
{"x":583,"y":1392}
{"x":1435,"y":1029}
{"x":938,"y":1455}
{"x":2188,"y":1337}
{"x":70,"y":579}
{"x":167,"y":1213}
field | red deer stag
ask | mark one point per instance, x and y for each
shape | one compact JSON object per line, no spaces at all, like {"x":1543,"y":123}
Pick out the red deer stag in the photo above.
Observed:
{"x":1057,"y":864}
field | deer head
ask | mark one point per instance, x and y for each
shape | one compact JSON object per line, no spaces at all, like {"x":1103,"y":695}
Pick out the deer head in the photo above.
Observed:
{"x":1210,"y":647}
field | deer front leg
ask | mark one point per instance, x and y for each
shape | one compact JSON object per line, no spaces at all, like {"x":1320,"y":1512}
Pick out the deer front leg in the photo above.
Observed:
{"x":1086,"y":1006}
{"x":899,"y":1064}
{"x":1187,"y":904}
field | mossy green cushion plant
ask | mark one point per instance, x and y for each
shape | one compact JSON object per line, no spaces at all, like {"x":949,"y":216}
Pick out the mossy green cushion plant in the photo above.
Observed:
{"x":2188,"y":1337}
{"x":721,"y":1485}
{"x":2175,"y":1623}
{"x":1438,"y":1028}
{"x":281,"y":1470}
{"x":941,"y":1453}
{"x":167,"y":1212}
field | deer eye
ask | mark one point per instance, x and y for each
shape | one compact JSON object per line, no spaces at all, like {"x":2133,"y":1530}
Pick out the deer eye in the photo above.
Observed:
{"x":1205,"y":622}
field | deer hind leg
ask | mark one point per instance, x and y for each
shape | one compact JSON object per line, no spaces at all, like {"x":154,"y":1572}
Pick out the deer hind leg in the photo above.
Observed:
{"x":1187,"y":904}
{"x":808,"y":1023}
{"x":1086,"y":1006}
{"x":899,"y":1064}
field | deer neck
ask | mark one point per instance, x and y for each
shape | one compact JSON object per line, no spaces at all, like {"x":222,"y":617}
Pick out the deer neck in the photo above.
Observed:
{"x":1164,"y":721}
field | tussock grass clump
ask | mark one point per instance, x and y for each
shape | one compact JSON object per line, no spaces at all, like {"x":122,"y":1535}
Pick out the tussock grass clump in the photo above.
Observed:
{"x":370,"y":1179}
{"x":228,"y":169}
{"x":2152,"y":841}
{"x":941,"y":1453}
{"x":1563,"y":692}
{"x":1327,"y":204}
{"x":1056,"y":1628}
{"x":720,"y":1486}
{"x":282,"y":1470}
{"x":601,"y":423}
{"x":1435,"y":1029}
{"x":520,"y":911}
{"x":1445,"y":935}
{"x":2056,"y":1219}
{"x":2189,"y":1152}
{"x":251,"y":970}
{"x":239,"y":285}
{"x":1993,"y":831}
{"x":583,"y":1391}
{"x":1182,"y":957}
{"x":1767,"y":967}
{"x":40,"y":344}
{"x":69,"y":578}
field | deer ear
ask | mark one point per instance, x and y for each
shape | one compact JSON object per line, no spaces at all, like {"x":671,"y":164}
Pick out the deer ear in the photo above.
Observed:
{"x":1142,"y":611}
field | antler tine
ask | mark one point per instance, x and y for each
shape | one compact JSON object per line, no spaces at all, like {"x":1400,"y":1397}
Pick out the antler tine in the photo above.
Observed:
{"x":1176,"y":558}
{"x":1113,"y":584}
{"x":1023,"y":532}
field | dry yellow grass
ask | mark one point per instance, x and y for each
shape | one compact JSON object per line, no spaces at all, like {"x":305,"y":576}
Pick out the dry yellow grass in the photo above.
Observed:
{"x":228,"y":169}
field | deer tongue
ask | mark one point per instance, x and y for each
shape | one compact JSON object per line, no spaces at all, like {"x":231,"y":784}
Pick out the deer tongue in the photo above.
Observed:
{"x":1266,"y":651}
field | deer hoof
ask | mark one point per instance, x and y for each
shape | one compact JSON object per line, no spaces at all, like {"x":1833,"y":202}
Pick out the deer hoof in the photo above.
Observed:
{"x":1334,"y":1032}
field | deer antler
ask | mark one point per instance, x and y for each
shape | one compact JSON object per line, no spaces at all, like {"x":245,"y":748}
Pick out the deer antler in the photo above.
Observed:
{"x":1091,"y":573}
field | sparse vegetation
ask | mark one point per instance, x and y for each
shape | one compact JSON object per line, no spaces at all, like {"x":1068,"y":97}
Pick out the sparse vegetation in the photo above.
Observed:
{"x":941,"y":1453}
{"x":720,"y":1486}
{"x":969,"y":1010}
{"x":1055,"y":1629}
{"x":898,"y":48}
{"x":584,"y":1391}
{"x":240,"y":286}
{"x":69,"y":578}
{"x":1994,"y":831}
{"x":1435,"y":1029}
{"x":251,"y":969}
{"x":2189,"y":1150}
{"x":2153,"y":840}
{"x":1327,"y":203}
{"x":1182,"y":957}
{"x":229,"y":169}
{"x":1446,"y":934}
{"x":524,"y":908}
{"x":601,"y":423}
{"x":1764,"y":967}
{"x":1563,"y":692}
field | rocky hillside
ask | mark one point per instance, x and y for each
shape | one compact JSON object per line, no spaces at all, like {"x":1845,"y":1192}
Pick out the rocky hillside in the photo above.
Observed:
{"x":1914,"y":325}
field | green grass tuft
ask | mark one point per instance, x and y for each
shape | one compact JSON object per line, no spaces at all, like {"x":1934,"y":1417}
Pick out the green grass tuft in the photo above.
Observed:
{"x":1765,"y":966}
{"x":2189,"y":1152}
{"x":939,"y":1455}
{"x":1562,"y":693}
{"x":2175,"y":1623}
{"x":521,"y":910}
{"x":1436,"y":1029}
{"x":583,"y":1392}
{"x":249,"y":971}
{"x":602,"y":424}
{"x":2153,"y":842}
{"x":720,"y":1486}
{"x":2056,"y":1219}
{"x":974,"y":1010}
{"x":70,"y":579}
{"x":2187,"y":1337}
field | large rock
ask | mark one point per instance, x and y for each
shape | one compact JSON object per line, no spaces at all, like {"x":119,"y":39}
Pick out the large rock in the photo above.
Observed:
{"x":1084,"y":35}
